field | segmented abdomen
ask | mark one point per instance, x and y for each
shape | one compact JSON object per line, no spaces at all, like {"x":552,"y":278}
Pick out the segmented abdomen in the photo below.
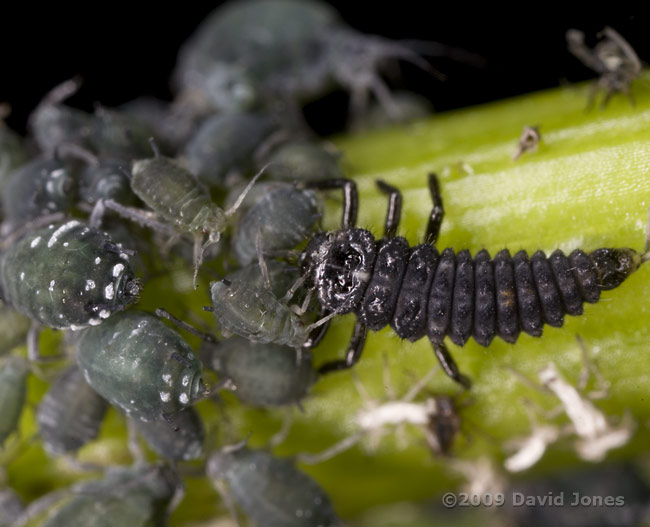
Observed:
{"x":460,"y":296}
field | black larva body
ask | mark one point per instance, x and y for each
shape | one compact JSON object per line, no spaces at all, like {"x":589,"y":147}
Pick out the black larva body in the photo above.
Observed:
{"x":419,"y":291}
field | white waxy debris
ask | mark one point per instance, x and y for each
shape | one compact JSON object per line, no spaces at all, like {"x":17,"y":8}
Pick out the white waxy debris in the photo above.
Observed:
{"x":57,"y":173}
{"x":183,"y":398}
{"x":109,"y":291}
{"x":167,"y":378}
{"x":22,"y":276}
{"x":186,"y":380}
{"x":35,"y":242}
{"x":532,"y":449}
{"x":165,"y":396}
{"x":104,"y":313}
{"x":117,"y":269}
{"x":65,"y":244}
{"x":90,"y":284}
{"x":51,"y":288}
{"x":94,"y":321}
{"x":98,"y":260}
{"x":73,"y":327}
{"x":393,"y":413}
{"x":61,"y":230}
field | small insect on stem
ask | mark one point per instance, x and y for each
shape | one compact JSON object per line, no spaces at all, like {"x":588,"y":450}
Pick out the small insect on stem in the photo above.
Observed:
{"x":528,"y":141}
{"x":179,"y":201}
{"x":613,"y":58}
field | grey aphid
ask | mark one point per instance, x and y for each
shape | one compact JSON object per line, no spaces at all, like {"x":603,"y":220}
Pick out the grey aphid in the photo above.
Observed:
{"x":270,"y":490}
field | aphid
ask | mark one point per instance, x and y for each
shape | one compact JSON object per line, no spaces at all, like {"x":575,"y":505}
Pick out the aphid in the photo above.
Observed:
{"x":270,"y":490}
{"x":263,"y":375}
{"x":225,"y":144}
{"x":182,"y":443}
{"x":13,"y":389}
{"x":613,"y":58}
{"x":53,"y":123}
{"x":528,"y":142}
{"x":285,"y":53}
{"x":302,"y":161}
{"x":41,"y":186}
{"x":176,"y":197}
{"x":140,"y":365}
{"x":140,"y":496}
{"x":67,"y":276}
{"x":418,"y":291}
{"x":13,"y":328}
{"x":104,"y":180}
{"x":70,"y":413}
{"x":279,"y":220}
{"x":436,"y":416}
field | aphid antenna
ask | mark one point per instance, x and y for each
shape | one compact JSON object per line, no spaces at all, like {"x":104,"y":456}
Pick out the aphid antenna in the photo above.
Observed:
{"x":244,"y":192}
{"x":207,"y":337}
{"x":154,"y":147}
{"x":62,"y":91}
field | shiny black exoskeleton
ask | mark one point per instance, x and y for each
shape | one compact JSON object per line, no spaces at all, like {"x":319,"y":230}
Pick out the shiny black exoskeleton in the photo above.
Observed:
{"x":419,"y":291}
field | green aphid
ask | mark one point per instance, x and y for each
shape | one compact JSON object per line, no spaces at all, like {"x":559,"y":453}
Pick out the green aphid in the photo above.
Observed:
{"x":140,"y":365}
{"x":67,"y":276}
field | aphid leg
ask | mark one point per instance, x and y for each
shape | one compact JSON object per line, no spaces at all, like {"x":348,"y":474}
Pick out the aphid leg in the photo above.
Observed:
{"x":334,"y":450}
{"x":361,"y":390}
{"x":281,"y":435}
{"x":318,"y":333}
{"x":133,"y":444}
{"x":142,"y":217}
{"x":170,"y":421}
{"x":437,"y":212}
{"x":117,"y":249}
{"x":420,"y":385}
{"x":163,"y":313}
{"x":624,"y":46}
{"x":224,"y":494}
{"x":33,"y":348}
{"x":292,"y":291}
{"x":264,"y":270}
{"x":355,"y":348}
{"x":449,"y":365}
{"x":394,"y":211}
{"x":350,"y":198}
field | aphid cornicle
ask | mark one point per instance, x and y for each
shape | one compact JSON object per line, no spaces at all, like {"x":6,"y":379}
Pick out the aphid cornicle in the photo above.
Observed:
{"x":419,"y":291}
{"x":140,"y":365}
{"x":67,"y":276}
{"x":70,"y":413}
{"x":13,"y":389}
{"x":271,"y":490}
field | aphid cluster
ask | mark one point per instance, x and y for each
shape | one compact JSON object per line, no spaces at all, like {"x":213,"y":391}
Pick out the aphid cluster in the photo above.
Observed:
{"x":225,"y":183}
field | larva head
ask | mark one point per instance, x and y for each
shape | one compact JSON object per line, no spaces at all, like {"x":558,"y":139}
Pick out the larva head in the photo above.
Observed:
{"x":339,"y":265}
{"x":615,"y":265}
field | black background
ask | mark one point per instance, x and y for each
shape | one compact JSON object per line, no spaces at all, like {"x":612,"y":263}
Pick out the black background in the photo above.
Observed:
{"x":123,"y":51}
